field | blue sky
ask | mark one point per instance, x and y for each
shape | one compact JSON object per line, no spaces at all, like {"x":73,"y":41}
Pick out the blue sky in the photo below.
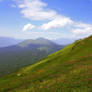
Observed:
{"x":52,"y":19}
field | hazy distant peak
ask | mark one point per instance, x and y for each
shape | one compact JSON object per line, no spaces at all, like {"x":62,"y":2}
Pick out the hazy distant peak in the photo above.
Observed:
{"x":7,"y":41}
{"x":38,"y":41}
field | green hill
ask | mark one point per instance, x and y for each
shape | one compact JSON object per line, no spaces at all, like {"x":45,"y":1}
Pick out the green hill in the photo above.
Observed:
{"x":68,"y":70}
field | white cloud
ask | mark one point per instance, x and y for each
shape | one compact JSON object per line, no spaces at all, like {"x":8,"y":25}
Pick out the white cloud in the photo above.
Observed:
{"x":82,"y":30}
{"x":58,"y":22}
{"x":35,"y":9}
{"x":82,"y":25}
{"x":28,"y":27}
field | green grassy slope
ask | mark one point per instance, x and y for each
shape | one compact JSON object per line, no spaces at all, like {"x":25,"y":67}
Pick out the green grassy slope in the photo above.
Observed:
{"x":68,"y":70}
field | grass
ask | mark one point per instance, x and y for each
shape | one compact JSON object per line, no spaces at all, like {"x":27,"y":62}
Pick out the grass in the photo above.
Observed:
{"x":68,"y":70}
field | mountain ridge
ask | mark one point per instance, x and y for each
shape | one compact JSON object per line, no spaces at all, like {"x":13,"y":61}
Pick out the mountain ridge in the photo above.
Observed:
{"x":15,"y":57}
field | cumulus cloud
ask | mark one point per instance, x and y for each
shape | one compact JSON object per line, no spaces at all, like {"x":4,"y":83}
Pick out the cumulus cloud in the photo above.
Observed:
{"x":28,"y":27}
{"x":82,"y":30}
{"x":58,"y":22}
{"x":35,"y":9}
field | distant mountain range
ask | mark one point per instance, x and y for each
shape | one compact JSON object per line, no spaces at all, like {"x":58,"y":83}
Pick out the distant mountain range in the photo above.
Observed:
{"x":6,"y":41}
{"x":25,"y":53}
